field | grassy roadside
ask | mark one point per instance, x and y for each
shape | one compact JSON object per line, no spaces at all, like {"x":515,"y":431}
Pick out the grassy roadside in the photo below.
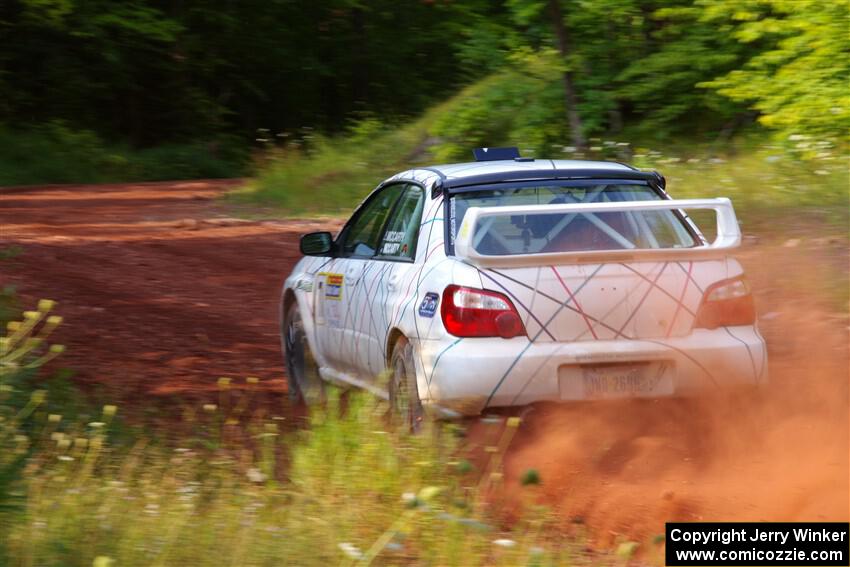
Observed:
{"x":791,"y":191}
{"x":331,"y":175}
{"x":764,"y":178}
{"x":238,"y":486}
{"x":54,"y":153}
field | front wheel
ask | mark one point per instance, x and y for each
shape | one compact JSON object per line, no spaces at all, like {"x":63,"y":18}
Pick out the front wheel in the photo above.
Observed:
{"x":304,"y":384}
{"x":405,"y":406}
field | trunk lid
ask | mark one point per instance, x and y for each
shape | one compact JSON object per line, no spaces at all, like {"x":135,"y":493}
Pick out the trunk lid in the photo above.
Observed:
{"x":613,"y":275}
{"x":580,"y":302}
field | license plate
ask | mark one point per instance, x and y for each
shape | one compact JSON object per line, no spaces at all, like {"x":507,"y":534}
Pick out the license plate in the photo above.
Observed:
{"x":618,"y":380}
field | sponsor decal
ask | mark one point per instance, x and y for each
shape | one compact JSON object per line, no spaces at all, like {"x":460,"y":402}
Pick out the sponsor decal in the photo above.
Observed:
{"x":330,"y":289}
{"x":429,"y":304}
{"x":394,"y":236}
{"x":392,"y":242}
{"x":452,"y":220}
{"x":333,"y":286}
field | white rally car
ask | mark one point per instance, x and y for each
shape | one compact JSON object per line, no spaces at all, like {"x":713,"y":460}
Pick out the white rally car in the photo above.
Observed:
{"x":509,"y":281}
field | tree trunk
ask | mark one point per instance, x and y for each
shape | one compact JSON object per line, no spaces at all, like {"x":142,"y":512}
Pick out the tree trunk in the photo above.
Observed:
{"x":615,"y":119}
{"x":360,"y":70}
{"x":570,"y":98}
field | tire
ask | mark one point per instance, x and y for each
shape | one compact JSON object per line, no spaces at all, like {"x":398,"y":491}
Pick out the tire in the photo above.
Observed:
{"x":405,"y":406}
{"x":304,"y":384}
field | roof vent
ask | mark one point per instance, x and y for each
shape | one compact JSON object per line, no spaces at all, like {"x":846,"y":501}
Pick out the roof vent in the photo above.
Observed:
{"x":495,"y":154}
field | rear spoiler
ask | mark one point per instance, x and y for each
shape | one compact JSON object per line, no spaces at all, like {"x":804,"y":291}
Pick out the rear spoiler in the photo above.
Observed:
{"x":728,"y":233}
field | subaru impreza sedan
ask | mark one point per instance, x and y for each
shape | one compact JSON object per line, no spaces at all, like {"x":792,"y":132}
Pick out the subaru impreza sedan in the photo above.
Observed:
{"x":509,"y":281}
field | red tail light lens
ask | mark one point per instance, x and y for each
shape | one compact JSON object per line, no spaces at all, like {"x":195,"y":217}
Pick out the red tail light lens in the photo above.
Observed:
{"x":727,"y":303}
{"x":469,"y":312}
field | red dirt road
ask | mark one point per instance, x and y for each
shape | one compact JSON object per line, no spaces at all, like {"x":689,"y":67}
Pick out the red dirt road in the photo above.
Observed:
{"x":161,"y":290}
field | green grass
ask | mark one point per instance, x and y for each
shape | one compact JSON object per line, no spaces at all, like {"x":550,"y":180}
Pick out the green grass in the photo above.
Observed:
{"x":55,"y":153}
{"x":233,"y":484}
{"x":779,"y":191}
{"x":352,"y":492}
{"x":331,"y":175}
{"x":767,"y":184}
{"x":762,"y":177}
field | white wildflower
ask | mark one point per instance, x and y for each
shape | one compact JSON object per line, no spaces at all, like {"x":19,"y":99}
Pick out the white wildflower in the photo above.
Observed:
{"x":350,"y":550}
{"x":254,"y":475}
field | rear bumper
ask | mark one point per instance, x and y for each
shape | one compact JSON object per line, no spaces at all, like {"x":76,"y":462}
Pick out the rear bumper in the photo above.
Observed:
{"x":467,"y":376}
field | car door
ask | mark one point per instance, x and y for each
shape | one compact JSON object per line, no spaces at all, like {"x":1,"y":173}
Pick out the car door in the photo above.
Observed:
{"x":347,"y":291}
{"x":387,"y":281}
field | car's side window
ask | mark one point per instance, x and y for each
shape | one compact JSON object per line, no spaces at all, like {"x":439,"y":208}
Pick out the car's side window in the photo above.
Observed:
{"x":360,"y":238}
{"x":399,"y":239}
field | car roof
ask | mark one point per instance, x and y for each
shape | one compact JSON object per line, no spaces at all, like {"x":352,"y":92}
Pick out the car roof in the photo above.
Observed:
{"x":458,"y":171}
{"x":458,"y":177}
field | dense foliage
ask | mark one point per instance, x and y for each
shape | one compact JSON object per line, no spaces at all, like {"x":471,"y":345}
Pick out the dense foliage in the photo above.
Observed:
{"x":799,"y":82}
{"x":152,"y":72}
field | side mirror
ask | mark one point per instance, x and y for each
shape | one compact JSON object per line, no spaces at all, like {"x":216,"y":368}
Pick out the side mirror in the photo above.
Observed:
{"x":317,"y":244}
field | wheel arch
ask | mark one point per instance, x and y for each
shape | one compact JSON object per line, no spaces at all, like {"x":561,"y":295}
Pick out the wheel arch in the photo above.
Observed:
{"x":286,"y":301}
{"x":292,"y":297}
{"x":392,"y":338}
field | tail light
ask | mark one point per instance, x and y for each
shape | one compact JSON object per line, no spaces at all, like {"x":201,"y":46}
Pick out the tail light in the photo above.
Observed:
{"x":727,"y":303}
{"x":469,"y":312}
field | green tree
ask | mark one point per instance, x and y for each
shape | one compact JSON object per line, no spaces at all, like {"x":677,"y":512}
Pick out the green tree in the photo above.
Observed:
{"x":153,"y":71}
{"x":800,"y":83}
{"x":681,"y":49}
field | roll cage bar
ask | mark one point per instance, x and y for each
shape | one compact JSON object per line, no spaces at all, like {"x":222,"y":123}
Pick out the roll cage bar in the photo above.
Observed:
{"x":490,"y":181}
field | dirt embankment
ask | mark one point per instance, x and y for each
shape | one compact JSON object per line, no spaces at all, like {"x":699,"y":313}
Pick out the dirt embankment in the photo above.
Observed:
{"x":163,"y":292}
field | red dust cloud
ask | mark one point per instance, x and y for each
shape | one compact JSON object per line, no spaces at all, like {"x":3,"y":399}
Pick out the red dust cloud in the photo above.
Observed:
{"x":618,"y":471}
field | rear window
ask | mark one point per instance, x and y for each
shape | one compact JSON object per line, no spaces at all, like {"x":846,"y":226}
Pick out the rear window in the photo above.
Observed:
{"x":543,"y":233}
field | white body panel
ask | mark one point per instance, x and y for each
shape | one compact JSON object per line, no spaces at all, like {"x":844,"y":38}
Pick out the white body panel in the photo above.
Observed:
{"x":582,"y":318}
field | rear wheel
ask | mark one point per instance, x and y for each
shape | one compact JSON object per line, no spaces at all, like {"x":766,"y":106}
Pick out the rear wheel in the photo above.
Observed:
{"x":303,"y":381}
{"x":405,"y":406}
